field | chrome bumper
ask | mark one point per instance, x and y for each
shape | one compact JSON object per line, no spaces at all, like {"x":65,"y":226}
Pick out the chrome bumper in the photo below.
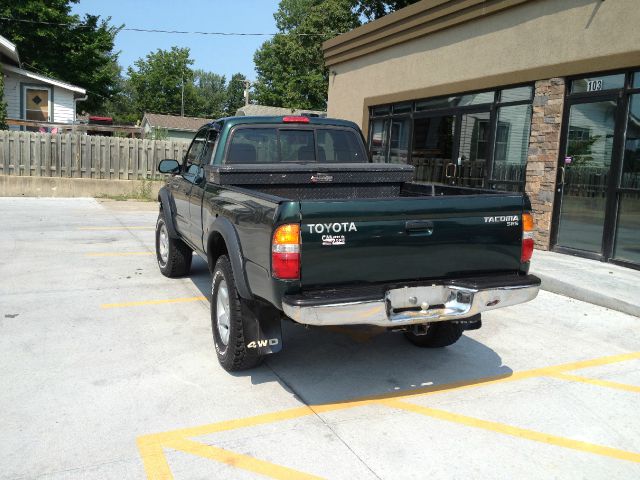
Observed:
{"x":413,"y":305}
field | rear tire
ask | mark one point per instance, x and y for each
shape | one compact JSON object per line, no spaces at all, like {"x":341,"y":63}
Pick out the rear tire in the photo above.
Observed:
{"x":173,"y":255}
{"x":228,"y":319}
{"x":439,"y":334}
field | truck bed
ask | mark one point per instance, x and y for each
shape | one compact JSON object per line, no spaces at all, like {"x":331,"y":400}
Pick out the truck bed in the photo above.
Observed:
{"x":333,"y":182}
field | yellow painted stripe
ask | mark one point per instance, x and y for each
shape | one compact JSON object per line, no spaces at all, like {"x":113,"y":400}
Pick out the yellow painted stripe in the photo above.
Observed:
{"x":156,"y":465}
{"x":405,"y":394}
{"x":516,"y":431}
{"x":118,"y":254}
{"x":292,"y":413}
{"x":154,"y":461}
{"x":152,"y":302}
{"x":117,"y":228}
{"x":596,"y":381}
{"x":238,"y":460}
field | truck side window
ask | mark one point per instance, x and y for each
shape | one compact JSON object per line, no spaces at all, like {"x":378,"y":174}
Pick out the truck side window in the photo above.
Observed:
{"x":194,"y":154}
{"x":212,"y":139}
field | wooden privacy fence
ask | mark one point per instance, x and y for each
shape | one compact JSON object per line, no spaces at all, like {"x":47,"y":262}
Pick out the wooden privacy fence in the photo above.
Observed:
{"x":84,"y":156}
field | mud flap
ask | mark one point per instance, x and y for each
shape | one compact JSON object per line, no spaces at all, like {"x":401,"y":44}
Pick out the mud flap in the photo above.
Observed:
{"x":262,"y":329}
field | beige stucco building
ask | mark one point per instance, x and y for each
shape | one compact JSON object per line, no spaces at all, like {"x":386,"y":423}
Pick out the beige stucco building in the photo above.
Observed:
{"x":541,"y":96}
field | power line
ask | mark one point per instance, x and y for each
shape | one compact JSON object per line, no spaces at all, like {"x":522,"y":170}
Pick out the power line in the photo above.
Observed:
{"x":179,"y":32}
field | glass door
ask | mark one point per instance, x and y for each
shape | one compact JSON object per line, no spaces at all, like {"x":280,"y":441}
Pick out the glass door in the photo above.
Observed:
{"x":627,"y":238}
{"x":585,"y":175}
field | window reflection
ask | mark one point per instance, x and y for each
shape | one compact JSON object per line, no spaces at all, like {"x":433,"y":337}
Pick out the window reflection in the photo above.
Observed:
{"x":631,"y":165}
{"x":378,"y":142}
{"x":433,"y":147}
{"x":474,"y":149}
{"x":512,"y":143}
{"x":399,"y":148}
{"x":627,"y":234}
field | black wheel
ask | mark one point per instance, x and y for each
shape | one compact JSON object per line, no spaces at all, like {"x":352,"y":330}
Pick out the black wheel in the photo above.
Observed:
{"x":439,"y":334}
{"x":228,"y":320}
{"x":174,"y":256}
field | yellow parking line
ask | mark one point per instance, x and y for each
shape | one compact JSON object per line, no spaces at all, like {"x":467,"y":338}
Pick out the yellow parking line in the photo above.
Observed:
{"x":117,"y":228}
{"x":118,"y":254}
{"x":152,"y":302}
{"x":596,"y":381}
{"x":155,"y":467}
{"x":516,"y":431}
{"x":238,"y":460}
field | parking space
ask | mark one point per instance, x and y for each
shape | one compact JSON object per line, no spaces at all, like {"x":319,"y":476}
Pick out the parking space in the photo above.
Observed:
{"x":109,"y":371}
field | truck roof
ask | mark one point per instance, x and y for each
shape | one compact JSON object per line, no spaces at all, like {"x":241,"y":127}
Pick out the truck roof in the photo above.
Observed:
{"x":233,"y":121}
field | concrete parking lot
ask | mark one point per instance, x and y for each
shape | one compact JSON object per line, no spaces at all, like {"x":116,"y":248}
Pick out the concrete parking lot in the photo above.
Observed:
{"x":108,"y":372}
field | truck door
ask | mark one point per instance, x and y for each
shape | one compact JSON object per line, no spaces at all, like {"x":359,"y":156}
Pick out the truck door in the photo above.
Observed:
{"x":197,"y":191}
{"x":180,"y":185}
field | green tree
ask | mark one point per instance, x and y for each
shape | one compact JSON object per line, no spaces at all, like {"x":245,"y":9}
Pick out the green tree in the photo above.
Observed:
{"x":235,"y":94}
{"x":3,"y":104}
{"x":211,"y":94}
{"x":156,"y":82}
{"x":65,"y":46}
{"x":373,"y":9}
{"x":290,"y":66}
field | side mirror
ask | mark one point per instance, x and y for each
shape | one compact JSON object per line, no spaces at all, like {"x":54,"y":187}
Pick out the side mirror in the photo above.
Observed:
{"x":169,"y":165}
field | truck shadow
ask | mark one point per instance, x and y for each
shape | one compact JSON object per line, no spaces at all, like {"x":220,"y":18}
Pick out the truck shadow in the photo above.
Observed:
{"x":323,"y":365}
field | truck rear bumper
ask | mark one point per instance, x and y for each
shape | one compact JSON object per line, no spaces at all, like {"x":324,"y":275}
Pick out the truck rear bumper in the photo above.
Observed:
{"x":410,"y":305}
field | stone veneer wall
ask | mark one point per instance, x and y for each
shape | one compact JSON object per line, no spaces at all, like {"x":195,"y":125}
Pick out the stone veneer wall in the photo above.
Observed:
{"x":542,"y":162}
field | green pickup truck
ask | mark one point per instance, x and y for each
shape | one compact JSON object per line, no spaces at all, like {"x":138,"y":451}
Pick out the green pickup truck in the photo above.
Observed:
{"x":296,"y":224}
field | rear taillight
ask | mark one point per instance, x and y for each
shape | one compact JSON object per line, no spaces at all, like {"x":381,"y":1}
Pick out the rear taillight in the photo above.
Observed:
{"x":285,"y":252}
{"x":527,"y":238}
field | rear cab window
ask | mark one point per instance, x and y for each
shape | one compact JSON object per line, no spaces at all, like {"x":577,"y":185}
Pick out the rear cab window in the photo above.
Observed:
{"x":317,"y":144}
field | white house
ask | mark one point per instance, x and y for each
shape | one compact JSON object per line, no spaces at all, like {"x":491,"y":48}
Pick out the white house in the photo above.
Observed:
{"x":32,"y":96}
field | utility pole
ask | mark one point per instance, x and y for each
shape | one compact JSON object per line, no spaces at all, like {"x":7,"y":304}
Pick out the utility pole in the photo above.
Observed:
{"x":182,"y":102}
{"x":247,"y":84}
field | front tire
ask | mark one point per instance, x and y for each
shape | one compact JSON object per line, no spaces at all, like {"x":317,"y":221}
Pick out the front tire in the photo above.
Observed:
{"x":229,"y":320}
{"x":173,"y":255}
{"x":439,"y":334}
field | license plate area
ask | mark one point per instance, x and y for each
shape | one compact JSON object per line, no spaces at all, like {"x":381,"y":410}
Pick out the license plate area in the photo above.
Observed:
{"x":418,"y":298}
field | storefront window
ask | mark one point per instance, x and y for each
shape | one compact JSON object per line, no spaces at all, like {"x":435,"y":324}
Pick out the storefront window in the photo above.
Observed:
{"x":596,"y":84}
{"x":516,"y":94}
{"x":511,"y":143}
{"x":378,"y":140}
{"x":627,"y":234}
{"x":454,"y":140}
{"x":636,"y":80}
{"x":433,"y":147}
{"x":383,"y":110}
{"x":399,"y":148}
{"x":402,"y":108}
{"x":631,"y":163}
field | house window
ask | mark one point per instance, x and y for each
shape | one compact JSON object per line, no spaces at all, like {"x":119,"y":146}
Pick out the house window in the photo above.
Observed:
{"x":37,"y":104}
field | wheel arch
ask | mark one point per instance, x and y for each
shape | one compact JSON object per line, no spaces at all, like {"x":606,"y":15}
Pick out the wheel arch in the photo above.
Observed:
{"x":167,"y":207}
{"x":223,"y":239}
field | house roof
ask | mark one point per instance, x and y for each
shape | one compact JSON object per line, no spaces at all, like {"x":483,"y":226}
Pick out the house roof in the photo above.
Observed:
{"x":43,"y":79}
{"x":264,"y":110}
{"x":9,"y":51}
{"x":174,"y":122}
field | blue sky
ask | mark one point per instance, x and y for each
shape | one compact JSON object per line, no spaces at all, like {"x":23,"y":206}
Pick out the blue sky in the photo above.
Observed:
{"x":223,"y":55}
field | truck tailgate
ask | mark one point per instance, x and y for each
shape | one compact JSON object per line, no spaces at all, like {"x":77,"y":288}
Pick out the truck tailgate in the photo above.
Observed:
{"x":388,"y":240}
